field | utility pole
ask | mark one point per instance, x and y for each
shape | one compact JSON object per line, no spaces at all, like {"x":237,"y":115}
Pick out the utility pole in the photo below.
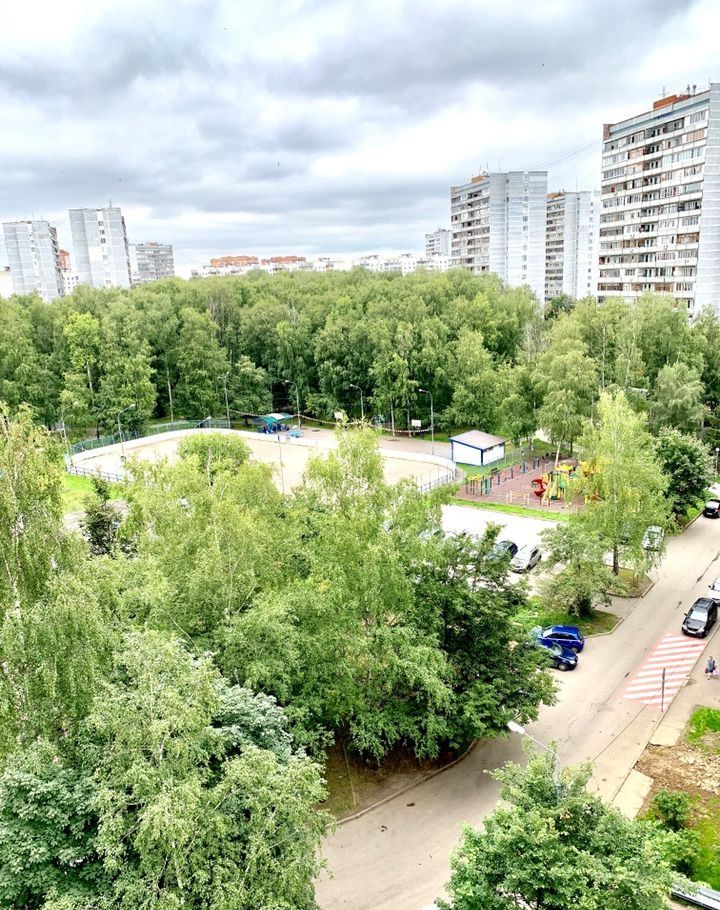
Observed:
{"x":227,"y":406}
{"x":432,"y":419}
{"x":362,"y":406}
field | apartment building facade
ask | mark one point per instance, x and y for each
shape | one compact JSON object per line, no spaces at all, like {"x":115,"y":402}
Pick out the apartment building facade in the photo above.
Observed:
{"x":34,"y":257}
{"x":571,"y":253}
{"x":660,"y":218}
{"x":499,"y":224}
{"x":102,"y":257}
{"x":154,"y":261}
{"x":438,"y":243}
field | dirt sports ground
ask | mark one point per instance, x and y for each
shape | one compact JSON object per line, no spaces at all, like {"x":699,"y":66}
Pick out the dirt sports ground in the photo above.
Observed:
{"x":288,"y":457}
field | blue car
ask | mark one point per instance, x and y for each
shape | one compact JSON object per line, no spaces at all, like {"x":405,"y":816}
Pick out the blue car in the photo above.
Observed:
{"x":569,"y":637}
{"x":559,"y":657}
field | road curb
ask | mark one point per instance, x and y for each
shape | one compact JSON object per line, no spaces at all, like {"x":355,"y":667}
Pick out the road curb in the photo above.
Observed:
{"x":408,"y":787}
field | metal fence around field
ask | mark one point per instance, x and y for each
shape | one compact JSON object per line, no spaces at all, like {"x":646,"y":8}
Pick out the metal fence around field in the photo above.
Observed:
{"x":209,"y":423}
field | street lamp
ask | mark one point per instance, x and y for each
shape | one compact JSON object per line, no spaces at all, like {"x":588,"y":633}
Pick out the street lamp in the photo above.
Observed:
{"x":432,"y":419}
{"x":227,"y":406}
{"x":514,"y":727}
{"x":297,"y":396}
{"x":122,"y":445}
{"x":717,"y":452}
{"x":362,"y":405}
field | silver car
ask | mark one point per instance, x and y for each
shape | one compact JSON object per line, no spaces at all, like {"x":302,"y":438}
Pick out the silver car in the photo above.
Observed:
{"x":525,"y":558}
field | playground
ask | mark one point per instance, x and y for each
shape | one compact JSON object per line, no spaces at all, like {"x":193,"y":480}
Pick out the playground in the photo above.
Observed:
{"x":287,"y":452}
{"x":535,"y":484}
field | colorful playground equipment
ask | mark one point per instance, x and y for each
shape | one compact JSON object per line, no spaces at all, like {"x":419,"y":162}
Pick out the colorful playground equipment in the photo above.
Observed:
{"x":553,"y":484}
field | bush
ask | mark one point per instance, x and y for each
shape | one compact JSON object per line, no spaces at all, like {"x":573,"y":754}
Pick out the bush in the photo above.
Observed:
{"x":685,"y":852}
{"x":215,"y":451}
{"x":672,"y":807}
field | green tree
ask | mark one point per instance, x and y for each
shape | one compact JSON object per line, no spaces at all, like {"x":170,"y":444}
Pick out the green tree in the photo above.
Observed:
{"x":559,"y":305}
{"x":100,"y":521}
{"x":127,"y":391}
{"x":191,"y":811}
{"x":623,"y":482}
{"x":554,"y":846}
{"x":568,"y":378}
{"x":677,"y":399}
{"x":685,"y":461}
{"x":581,"y":584}
{"x":477,"y":391}
{"x":201,"y":364}
{"x":30,"y":509}
{"x":248,"y":387}
{"x":215,"y":452}
{"x":519,"y":407}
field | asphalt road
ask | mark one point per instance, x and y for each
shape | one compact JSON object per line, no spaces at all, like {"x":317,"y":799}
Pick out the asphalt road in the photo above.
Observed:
{"x":397,"y":856}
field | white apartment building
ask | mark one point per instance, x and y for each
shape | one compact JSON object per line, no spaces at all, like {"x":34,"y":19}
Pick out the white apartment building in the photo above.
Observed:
{"x":660,"y":219}
{"x":34,"y":257}
{"x":100,"y":246}
{"x":438,"y":243}
{"x":498,"y":224}
{"x":571,"y":254}
{"x":154,"y":261}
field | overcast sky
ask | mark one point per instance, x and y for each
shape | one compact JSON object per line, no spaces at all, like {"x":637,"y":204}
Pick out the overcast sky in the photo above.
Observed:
{"x":317,"y":127}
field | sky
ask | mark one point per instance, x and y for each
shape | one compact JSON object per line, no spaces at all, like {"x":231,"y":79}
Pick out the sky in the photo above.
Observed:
{"x":280,"y":126}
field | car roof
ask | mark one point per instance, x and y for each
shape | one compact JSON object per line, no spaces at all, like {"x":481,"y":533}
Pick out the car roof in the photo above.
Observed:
{"x":715,"y":501}
{"x":702,"y":603}
{"x":526,"y":549}
{"x":573,"y":630}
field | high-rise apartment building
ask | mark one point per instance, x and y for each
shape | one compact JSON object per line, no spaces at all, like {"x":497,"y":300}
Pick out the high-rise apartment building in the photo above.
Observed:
{"x":499,"y":223}
{"x":6,"y":286}
{"x":438,"y":243}
{"x":154,"y":261}
{"x":571,"y":254}
{"x":660,"y":220}
{"x":34,"y":258}
{"x":100,"y":245}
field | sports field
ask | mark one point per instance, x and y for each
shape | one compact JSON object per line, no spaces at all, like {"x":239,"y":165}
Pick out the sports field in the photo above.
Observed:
{"x":288,"y":457}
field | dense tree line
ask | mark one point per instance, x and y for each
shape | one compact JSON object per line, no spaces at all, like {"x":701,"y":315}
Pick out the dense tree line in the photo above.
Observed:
{"x":488,"y":353}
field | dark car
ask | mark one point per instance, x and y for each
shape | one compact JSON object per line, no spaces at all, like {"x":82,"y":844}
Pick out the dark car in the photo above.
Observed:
{"x":712,"y":508}
{"x":559,"y":657}
{"x":504,"y":548}
{"x":700,"y":618}
{"x":569,"y":637}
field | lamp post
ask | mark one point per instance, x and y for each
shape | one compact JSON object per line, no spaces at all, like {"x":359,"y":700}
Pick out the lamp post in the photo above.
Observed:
{"x":122,"y":445}
{"x":514,"y":727}
{"x":227,"y":406}
{"x":297,"y":396}
{"x":362,"y":404}
{"x":717,"y":452}
{"x":432,"y":419}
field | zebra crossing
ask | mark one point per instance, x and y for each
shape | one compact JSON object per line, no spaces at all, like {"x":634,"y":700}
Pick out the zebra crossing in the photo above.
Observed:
{"x":674,"y":654}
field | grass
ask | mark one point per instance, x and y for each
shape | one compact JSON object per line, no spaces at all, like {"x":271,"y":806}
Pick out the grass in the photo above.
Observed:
{"x":631,"y":585}
{"x":703,"y":721}
{"x":509,"y":509}
{"x":75,"y":489}
{"x":707,"y":825}
{"x":537,"y":615}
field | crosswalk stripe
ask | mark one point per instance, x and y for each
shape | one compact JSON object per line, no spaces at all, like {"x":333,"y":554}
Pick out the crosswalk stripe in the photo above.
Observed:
{"x":664,"y":671}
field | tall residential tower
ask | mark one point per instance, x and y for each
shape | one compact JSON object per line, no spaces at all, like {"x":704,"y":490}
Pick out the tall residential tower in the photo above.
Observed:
{"x":499,"y":223}
{"x":571,"y":259}
{"x":660,"y":220}
{"x":100,"y":246}
{"x":154,"y":261}
{"x":34,"y":257}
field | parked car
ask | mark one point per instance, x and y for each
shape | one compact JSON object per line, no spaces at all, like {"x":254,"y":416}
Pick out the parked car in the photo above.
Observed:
{"x":653,"y":538}
{"x":569,"y":637}
{"x":504,"y":548}
{"x":712,"y":508}
{"x":700,"y":618}
{"x":714,"y":591}
{"x":559,"y":657}
{"x":526,"y":558}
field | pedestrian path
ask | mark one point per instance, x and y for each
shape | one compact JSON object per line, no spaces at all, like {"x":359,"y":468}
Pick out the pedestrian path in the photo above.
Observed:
{"x":673,"y":657}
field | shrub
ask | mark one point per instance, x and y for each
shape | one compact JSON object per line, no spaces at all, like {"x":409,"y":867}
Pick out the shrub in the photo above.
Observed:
{"x":672,"y":807}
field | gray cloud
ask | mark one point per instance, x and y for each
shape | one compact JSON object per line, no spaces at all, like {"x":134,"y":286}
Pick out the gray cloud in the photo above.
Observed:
{"x":317,"y":127}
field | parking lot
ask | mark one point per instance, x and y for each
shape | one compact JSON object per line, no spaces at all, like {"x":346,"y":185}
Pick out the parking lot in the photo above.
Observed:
{"x":468,"y":520}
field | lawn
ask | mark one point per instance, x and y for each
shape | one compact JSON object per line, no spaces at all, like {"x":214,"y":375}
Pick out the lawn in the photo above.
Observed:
{"x":509,"y":509}
{"x":702,"y":722}
{"x":536,"y":615}
{"x":75,"y":489}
